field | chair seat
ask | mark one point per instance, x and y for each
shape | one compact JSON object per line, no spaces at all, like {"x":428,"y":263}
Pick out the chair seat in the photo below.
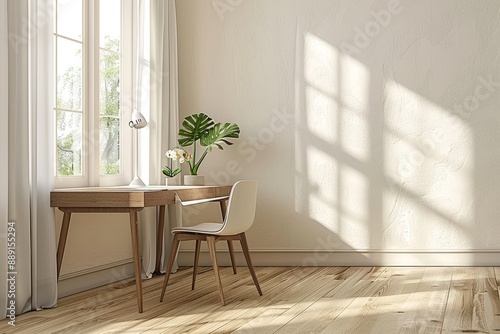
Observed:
{"x":205,"y":228}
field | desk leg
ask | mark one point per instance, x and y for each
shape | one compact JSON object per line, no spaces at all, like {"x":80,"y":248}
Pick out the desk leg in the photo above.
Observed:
{"x":137,"y":260}
{"x":159,"y":238}
{"x":62,"y":240}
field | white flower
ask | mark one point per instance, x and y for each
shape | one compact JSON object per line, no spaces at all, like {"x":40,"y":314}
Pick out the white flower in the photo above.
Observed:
{"x":178,"y":154}
{"x":169,"y":154}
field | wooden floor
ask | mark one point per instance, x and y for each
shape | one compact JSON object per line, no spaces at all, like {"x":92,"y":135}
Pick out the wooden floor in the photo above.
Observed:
{"x":296,"y":300}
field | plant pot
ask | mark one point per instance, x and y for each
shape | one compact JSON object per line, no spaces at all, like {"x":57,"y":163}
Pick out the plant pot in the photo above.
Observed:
{"x":173,"y":181}
{"x":194,"y":180}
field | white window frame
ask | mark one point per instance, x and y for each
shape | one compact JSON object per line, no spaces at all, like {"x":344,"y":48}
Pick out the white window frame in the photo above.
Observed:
{"x":90,"y":76}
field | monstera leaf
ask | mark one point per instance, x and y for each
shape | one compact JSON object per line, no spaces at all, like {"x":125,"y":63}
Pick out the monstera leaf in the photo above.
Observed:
{"x":195,"y":126}
{"x":210,"y":134}
{"x":218,"y":134}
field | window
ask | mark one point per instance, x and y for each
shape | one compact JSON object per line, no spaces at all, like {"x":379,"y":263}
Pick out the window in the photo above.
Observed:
{"x":93,"y":71}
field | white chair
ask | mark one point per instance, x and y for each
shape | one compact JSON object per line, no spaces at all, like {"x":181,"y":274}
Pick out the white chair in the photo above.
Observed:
{"x":238,"y":219}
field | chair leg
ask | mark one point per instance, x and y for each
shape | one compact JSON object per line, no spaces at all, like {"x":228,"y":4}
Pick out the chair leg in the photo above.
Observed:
{"x":173,"y":252}
{"x":244,"y":246}
{"x":231,"y":254}
{"x":196,"y":258}
{"x":213,"y":256}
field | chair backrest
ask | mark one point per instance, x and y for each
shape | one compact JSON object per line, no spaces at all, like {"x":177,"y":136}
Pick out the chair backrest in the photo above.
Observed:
{"x":240,"y":208}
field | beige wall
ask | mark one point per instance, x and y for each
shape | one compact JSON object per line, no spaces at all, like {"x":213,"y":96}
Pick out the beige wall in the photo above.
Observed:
{"x":95,"y":240}
{"x":98,"y":251}
{"x":372,"y":126}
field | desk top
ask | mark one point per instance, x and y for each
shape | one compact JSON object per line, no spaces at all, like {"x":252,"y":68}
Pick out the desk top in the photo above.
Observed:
{"x":131,"y":197}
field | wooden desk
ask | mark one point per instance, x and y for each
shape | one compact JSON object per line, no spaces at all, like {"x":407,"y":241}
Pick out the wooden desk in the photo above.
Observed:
{"x":129,"y":200}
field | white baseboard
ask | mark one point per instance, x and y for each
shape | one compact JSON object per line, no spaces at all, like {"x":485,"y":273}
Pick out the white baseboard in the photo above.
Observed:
{"x":352,"y":258}
{"x":75,"y":282}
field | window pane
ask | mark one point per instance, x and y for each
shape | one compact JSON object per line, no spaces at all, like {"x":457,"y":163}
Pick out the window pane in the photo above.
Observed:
{"x":69,"y":18}
{"x":109,"y":149}
{"x":109,"y":85}
{"x":110,"y":24}
{"x":109,"y":109}
{"x":69,"y":143}
{"x":69,"y":74}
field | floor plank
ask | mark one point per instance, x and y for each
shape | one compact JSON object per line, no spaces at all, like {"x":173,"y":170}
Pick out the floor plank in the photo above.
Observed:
{"x":423,"y":300}
{"x":289,"y":300}
{"x":473,"y":302}
{"x":423,"y":311}
{"x":370,"y":312}
{"x":317,"y":316}
{"x":210,"y":320}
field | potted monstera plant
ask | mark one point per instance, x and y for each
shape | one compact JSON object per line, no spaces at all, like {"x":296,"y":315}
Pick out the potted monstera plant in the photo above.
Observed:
{"x":201,"y":130}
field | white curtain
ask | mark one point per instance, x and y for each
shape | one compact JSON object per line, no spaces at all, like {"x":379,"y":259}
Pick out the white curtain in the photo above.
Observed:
{"x":158,"y":101}
{"x":26,"y":169}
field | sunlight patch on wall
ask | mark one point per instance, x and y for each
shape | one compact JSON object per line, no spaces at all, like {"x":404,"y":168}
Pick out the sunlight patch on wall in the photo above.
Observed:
{"x":428,"y":160}
{"x":321,"y":64}
{"x":333,"y":134}
{"x":322,"y":115}
{"x":354,"y":94}
{"x":354,"y":207}
{"x":321,"y":78}
{"x":322,"y":180}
